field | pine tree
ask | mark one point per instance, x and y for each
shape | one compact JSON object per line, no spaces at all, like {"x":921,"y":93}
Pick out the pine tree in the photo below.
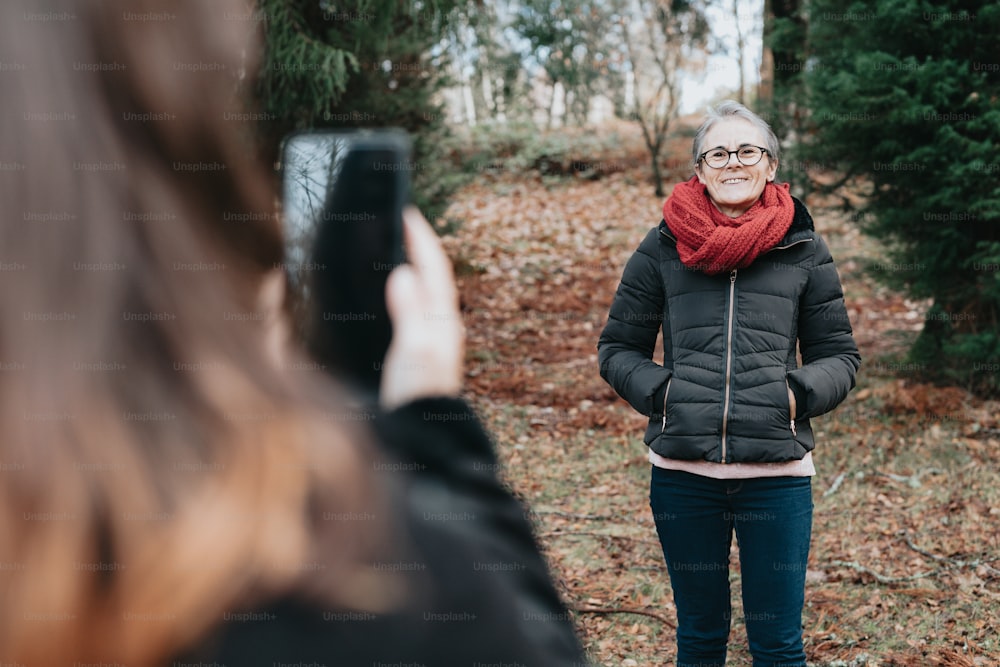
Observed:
{"x":372,"y":63}
{"x":906,"y":93}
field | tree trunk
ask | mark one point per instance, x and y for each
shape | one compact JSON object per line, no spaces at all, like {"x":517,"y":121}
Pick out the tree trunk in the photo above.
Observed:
{"x":765,"y":91}
{"x":552,"y":104}
{"x":787,"y":63}
{"x":785,"y":66}
{"x":654,"y":157}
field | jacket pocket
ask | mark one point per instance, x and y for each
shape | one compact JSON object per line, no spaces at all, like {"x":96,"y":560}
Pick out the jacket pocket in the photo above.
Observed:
{"x":666,"y":392}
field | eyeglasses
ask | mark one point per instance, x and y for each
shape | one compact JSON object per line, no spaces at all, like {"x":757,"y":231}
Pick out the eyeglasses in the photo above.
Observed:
{"x":748,"y":156}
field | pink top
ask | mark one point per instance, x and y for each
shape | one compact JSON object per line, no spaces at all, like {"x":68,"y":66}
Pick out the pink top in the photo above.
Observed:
{"x":801,"y":468}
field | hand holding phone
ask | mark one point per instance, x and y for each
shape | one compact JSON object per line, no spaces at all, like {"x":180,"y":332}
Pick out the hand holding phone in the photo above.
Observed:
{"x":428,"y":348}
{"x":391,"y":330}
{"x":344,"y":195}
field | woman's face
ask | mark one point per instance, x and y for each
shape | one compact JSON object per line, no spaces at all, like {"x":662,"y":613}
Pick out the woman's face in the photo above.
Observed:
{"x":734,"y":188}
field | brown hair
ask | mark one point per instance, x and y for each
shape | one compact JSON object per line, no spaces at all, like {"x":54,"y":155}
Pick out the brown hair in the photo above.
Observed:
{"x":159,"y":465}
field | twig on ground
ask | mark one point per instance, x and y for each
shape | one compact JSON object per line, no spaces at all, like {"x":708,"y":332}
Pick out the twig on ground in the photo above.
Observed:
{"x":623,"y":610}
{"x":949,"y":560}
{"x":923,"y":552}
{"x":836,"y":485}
{"x":914,"y":479}
{"x":588,"y":533}
{"x":571,"y":515}
{"x":881,"y":578}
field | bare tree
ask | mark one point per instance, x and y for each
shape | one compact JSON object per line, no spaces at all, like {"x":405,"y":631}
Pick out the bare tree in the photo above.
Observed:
{"x":486,"y":71}
{"x":658,"y":36}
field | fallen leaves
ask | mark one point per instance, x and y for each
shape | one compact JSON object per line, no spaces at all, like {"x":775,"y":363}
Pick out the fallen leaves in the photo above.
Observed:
{"x":906,"y":545}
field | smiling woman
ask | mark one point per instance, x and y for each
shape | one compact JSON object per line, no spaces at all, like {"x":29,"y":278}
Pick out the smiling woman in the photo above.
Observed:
{"x":733,"y":185}
{"x":728,"y":435}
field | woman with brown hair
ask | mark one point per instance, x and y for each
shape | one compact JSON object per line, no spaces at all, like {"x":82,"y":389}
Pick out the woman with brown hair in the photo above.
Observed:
{"x":172,"y":486}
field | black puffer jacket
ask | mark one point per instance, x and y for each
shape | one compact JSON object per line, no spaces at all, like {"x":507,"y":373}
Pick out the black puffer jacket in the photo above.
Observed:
{"x":481,"y":593}
{"x":729,"y":344}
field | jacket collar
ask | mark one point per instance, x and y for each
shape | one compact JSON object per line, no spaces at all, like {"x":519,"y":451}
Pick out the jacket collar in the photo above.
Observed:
{"x":802,"y":225}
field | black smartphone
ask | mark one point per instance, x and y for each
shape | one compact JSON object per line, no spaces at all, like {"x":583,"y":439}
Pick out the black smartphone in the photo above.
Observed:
{"x":343,"y":199}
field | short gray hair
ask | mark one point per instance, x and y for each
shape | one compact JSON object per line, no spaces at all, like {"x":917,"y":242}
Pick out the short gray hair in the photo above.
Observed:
{"x":732,"y":109}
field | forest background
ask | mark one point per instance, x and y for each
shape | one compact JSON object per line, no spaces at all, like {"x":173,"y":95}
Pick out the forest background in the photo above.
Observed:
{"x":547,"y":134}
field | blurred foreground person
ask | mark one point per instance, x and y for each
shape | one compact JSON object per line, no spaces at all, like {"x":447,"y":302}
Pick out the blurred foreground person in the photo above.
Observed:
{"x":738,"y":280}
{"x":177,"y":487}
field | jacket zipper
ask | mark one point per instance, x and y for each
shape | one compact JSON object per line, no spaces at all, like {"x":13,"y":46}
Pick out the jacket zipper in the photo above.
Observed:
{"x":729,"y":360}
{"x":665,"y":392}
{"x":790,"y":415}
{"x":729,"y":354}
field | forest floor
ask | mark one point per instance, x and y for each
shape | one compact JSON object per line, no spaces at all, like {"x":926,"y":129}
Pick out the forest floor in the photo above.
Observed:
{"x":905,"y":560}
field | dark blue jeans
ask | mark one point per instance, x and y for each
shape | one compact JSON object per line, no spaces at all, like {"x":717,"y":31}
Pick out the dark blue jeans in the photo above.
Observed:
{"x":695,"y":518}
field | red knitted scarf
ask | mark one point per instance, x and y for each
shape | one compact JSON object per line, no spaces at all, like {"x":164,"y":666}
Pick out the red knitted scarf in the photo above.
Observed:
{"x":711,"y":241}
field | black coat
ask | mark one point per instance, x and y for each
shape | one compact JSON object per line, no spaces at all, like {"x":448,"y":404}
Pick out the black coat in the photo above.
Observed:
{"x":464,"y":541}
{"x":729,"y":348}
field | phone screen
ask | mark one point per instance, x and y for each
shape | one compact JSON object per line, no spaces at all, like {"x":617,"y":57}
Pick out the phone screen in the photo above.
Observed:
{"x":343,"y":199}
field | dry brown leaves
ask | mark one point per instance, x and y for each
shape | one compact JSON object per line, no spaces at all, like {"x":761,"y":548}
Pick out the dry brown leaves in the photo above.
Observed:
{"x":906,"y":547}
